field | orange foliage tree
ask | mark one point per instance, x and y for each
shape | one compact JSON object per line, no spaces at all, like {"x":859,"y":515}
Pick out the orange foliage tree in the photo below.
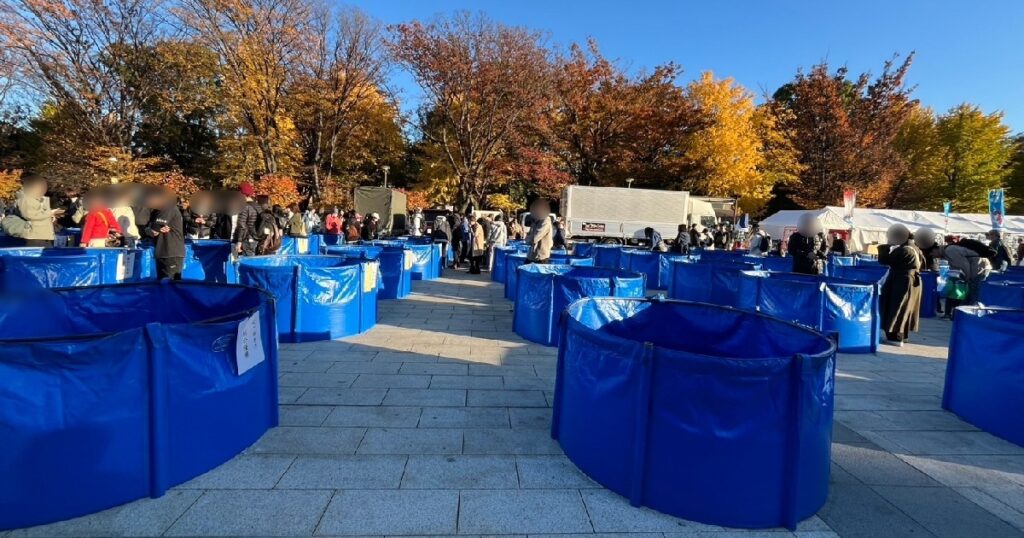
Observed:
{"x":416,"y":199}
{"x":282,"y":190}
{"x":10,"y":182}
{"x":177,"y":182}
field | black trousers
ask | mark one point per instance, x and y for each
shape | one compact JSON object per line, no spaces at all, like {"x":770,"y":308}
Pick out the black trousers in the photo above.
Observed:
{"x":38,"y":242}
{"x":169,"y":268}
{"x":474,"y":264}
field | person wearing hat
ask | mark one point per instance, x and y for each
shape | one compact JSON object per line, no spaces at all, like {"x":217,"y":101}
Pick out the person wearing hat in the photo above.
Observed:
{"x":1002,"y":260}
{"x":806,"y":247}
{"x":900,"y":301}
{"x":245,"y":237}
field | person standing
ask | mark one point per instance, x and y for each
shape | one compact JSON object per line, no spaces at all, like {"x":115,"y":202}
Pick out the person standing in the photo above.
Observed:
{"x":900,"y":301}
{"x":541,"y":236}
{"x":478,"y":245}
{"x":268,"y":228}
{"x":100,"y":225}
{"x":497,"y":236}
{"x":839,"y":247}
{"x":333,"y":223}
{"x":416,"y":228}
{"x":74,"y":210}
{"x":1020,"y":252}
{"x":760,"y":243}
{"x":245,"y":236}
{"x":125,"y":216}
{"x":1002,"y":260}
{"x":369,"y":231}
{"x":167,"y":231}
{"x":34,"y":208}
{"x":806,"y":247}
{"x":297,"y":224}
{"x":311,"y":220}
{"x":467,"y":237}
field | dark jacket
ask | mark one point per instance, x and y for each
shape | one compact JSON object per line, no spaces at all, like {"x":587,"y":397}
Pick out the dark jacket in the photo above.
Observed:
{"x":806,"y":252}
{"x":369,"y":231}
{"x":900,"y":301}
{"x":839,"y":247}
{"x":172,"y":243}
{"x":245,"y":229}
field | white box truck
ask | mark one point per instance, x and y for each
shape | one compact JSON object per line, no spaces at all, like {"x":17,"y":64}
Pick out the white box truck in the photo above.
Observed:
{"x":619,"y":215}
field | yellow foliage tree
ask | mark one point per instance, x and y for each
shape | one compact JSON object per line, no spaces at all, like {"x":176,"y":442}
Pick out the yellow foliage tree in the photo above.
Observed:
{"x":282,"y":190}
{"x":725,"y":155}
{"x":416,"y":200}
{"x":503,"y":203}
{"x":176,"y":182}
{"x":10,"y":183}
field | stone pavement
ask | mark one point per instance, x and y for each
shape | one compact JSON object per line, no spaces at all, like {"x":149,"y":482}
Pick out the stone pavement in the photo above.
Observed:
{"x":436,"y":423}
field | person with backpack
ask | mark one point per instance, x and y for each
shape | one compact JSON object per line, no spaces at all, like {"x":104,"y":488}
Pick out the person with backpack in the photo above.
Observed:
{"x":268,"y":231}
{"x":760,"y":243}
{"x":166,"y":228}
{"x":245,"y":234}
{"x":370,"y":224}
{"x":101,"y":228}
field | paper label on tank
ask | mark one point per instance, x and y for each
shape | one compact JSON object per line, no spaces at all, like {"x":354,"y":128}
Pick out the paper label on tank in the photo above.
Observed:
{"x":369,"y":277}
{"x":125,"y":265}
{"x":409,"y":258}
{"x":249,"y":344}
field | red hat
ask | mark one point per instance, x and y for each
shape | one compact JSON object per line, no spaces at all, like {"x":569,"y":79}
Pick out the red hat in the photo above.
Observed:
{"x":247,"y":189}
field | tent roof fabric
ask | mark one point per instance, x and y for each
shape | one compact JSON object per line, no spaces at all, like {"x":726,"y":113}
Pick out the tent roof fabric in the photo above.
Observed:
{"x":831,"y":218}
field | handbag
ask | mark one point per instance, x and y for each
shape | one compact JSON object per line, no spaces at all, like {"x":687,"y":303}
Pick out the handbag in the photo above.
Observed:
{"x":955,"y":289}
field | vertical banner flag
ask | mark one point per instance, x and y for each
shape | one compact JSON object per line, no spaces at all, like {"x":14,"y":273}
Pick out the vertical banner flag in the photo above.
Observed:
{"x":996,"y":208}
{"x":849,"y":202}
{"x":947,"y":208}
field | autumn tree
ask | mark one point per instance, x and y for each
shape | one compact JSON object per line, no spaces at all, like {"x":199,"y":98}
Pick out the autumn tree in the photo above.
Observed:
{"x":919,"y":184}
{"x":483,"y":82}
{"x":260,"y":44}
{"x":725,"y":155}
{"x":976,"y":156}
{"x":10,"y":184}
{"x":282,"y":190}
{"x":342,"y":112}
{"x":844,"y":130}
{"x":1015,"y":183}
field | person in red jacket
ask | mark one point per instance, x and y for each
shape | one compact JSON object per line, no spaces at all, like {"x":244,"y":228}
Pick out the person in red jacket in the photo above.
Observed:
{"x":99,"y":223}
{"x":333,"y":223}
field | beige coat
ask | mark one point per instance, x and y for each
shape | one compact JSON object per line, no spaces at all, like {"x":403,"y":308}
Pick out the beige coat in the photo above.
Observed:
{"x":36,"y":212}
{"x":540,"y":240}
{"x":479,"y":241}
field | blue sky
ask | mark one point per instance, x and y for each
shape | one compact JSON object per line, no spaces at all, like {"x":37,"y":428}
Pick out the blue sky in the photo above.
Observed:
{"x":967,"y":50}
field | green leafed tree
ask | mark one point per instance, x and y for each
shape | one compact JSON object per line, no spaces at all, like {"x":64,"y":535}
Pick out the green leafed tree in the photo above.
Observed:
{"x":976,"y":154}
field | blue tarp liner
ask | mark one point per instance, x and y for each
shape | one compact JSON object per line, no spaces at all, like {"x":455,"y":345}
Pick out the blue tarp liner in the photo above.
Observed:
{"x":688,"y":409}
{"x":610,"y":255}
{"x":115,"y":393}
{"x":985,"y":372}
{"x":1005,"y":293}
{"x":583,"y":249}
{"x":863,"y":273}
{"x":426,"y":263}
{"x":192,"y":269}
{"x":500,"y":255}
{"x":665,"y":261}
{"x":772,"y":263}
{"x":707,"y":282}
{"x":544,"y":291}
{"x":827,"y":304}
{"x":513,"y":261}
{"x":27,"y":268}
{"x":215,"y":257}
{"x":395,"y":266}
{"x":300,"y":245}
{"x":930,"y":294}
{"x":644,"y":262}
{"x":318,"y":297}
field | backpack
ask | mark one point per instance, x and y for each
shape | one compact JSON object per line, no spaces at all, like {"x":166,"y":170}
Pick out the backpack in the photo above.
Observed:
{"x":766,"y":244}
{"x":15,"y":226}
{"x":269,"y":233}
{"x":980,"y":248}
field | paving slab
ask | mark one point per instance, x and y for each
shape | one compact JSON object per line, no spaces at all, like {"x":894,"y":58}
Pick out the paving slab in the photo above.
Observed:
{"x":248,"y":471}
{"x":373,"y":417}
{"x":460,"y":472}
{"x":362,"y":471}
{"x":307,"y":440}
{"x":411,"y":441}
{"x":946,"y":513}
{"x":464,"y":417}
{"x":391,"y":512}
{"x":253,"y":513}
{"x":146,"y":517}
{"x":522,"y":511}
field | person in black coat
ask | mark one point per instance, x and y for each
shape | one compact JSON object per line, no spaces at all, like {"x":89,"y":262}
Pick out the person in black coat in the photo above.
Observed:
{"x":806,"y":247}
{"x":900,"y":301}
{"x":167,"y":231}
{"x":245,"y":236}
{"x":839,"y":247}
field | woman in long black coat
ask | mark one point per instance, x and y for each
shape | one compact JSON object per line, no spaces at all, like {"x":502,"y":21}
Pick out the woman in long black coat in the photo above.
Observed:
{"x":901,"y":292}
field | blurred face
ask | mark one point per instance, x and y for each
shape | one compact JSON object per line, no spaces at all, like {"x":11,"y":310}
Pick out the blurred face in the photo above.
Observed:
{"x":540,"y":209}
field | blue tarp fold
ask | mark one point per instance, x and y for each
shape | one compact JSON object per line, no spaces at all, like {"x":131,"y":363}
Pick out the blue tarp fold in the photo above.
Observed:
{"x":637,"y":393}
{"x":544,"y":291}
{"x":514,"y":261}
{"x":117,"y":393}
{"x":1005,"y":293}
{"x":395,"y":266}
{"x":707,"y":282}
{"x":318,"y":297}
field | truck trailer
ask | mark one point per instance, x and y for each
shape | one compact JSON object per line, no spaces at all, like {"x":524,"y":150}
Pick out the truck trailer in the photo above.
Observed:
{"x":620,"y":215}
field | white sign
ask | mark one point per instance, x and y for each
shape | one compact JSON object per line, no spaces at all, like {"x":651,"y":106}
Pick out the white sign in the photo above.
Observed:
{"x":249,"y":344}
{"x":125,"y":265}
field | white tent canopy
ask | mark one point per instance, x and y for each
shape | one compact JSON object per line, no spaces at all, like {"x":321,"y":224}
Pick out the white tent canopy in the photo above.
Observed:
{"x":869,"y":225}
